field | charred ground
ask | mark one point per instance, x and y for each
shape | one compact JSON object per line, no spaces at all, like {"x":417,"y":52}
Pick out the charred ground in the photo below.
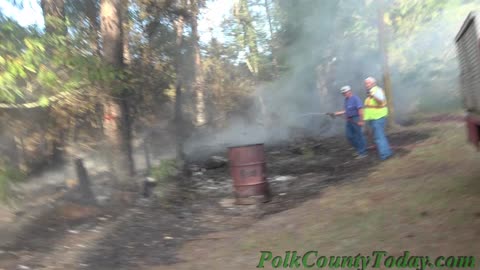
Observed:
{"x":150,"y":231}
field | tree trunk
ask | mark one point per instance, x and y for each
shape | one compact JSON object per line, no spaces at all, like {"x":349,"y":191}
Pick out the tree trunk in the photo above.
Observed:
{"x":85,"y":192}
{"x":23,"y":156}
{"x":54,"y":16}
{"x":117,"y":127}
{"x":272,"y":49}
{"x":112,"y":33}
{"x":92,"y":13}
{"x":126,"y":50}
{"x":146,"y":144}
{"x":179,"y":122}
{"x":126,"y":130}
{"x":385,"y":67}
{"x":199,"y":82}
{"x":15,"y":155}
{"x":127,"y":57}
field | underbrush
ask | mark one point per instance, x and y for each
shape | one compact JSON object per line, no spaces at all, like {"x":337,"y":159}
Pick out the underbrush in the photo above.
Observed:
{"x":166,"y":169}
{"x":9,"y":177}
{"x":164,"y":175}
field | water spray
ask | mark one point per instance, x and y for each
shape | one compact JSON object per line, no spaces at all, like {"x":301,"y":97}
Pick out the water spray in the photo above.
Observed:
{"x":325,"y":113}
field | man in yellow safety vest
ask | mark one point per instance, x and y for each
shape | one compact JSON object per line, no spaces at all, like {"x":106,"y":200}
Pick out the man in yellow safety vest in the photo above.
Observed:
{"x":375,"y":115}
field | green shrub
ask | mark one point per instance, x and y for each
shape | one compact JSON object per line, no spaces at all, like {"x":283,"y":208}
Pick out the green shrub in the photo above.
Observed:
{"x":307,"y":152}
{"x":8,"y":177}
{"x":4,"y":188}
{"x":164,"y":175}
{"x":165,"y":170}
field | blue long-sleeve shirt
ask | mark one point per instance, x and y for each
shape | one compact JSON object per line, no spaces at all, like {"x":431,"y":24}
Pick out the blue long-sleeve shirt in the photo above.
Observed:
{"x":352,"y":105}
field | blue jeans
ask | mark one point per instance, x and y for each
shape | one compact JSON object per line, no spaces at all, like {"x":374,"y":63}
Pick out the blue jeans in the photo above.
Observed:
{"x":355,"y":136}
{"x":378,"y":129}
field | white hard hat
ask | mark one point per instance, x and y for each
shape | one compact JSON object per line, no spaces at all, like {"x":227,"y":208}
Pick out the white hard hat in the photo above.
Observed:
{"x":371,"y":79}
{"x":345,"y":89}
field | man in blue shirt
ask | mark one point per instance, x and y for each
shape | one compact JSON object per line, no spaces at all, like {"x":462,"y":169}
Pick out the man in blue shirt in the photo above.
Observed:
{"x":353,"y":111}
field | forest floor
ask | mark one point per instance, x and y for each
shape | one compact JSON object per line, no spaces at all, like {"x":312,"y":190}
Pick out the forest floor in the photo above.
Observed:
{"x":424,"y":200}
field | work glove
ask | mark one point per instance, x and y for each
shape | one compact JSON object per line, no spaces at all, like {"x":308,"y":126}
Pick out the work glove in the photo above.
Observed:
{"x":332,"y":115}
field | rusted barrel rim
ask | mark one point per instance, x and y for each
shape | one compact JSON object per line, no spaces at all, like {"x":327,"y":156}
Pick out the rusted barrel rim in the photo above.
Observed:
{"x":246,"y":145}
{"x":247,"y":164}
{"x":249,"y":185}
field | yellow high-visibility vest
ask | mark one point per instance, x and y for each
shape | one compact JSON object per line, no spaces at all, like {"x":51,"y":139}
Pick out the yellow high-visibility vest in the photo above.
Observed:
{"x":372,"y":109}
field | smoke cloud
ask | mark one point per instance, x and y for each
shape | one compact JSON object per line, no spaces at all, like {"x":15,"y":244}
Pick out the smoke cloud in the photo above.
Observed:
{"x":323,"y":54}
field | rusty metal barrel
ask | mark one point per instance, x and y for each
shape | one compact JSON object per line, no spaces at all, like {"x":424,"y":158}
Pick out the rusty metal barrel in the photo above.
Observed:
{"x":248,"y":171}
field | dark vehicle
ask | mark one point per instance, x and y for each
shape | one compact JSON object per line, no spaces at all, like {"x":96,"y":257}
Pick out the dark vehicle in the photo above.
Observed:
{"x":468,"y":51}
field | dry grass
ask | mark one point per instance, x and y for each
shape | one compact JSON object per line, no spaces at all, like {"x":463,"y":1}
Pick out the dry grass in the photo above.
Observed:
{"x":427,"y":202}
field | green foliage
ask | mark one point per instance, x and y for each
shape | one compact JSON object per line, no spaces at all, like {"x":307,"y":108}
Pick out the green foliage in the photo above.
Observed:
{"x":306,"y":34}
{"x":165,"y":170}
{"x":246,"y":35}
{"x":15,"y":176}
{"x":227,"y":82}
{"x":43,"y":101}
{"x":4,"y":189}
{"x":407,"y":17}
{"x":307,"y":152}
{"x":8,"y":177}
{"x":34,"y":66}
{"x":164,"y":175}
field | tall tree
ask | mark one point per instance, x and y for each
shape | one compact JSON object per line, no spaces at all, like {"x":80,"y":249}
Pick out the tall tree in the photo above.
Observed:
{"x":55,"y":25}
{"x":248,"y":35}
{"x":117,"y":126}
{"x":383,"y":47}
{"x":199,"y":81}
{"x":92,"y":12}
{"x":54,"y":16}
{"x":127,"y":26}
{"x":179,"y":118}
{"x":268,"y":12}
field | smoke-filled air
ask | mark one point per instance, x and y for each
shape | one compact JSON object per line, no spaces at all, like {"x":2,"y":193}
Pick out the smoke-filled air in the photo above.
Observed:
{"x":313,"y":49}
{"x":239,"y":134}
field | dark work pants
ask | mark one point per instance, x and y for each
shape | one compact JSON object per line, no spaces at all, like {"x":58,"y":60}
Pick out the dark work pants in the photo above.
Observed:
{"x":355,"y":135}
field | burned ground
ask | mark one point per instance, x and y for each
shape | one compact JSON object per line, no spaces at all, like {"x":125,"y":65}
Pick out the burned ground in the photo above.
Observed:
{"x":150,"y":231}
